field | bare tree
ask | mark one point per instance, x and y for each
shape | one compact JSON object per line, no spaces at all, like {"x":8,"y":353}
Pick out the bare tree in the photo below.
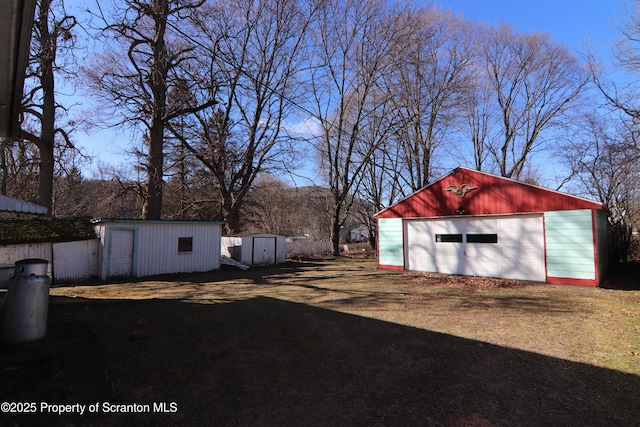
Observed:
{"x":70,"y":194}
{"x":20,"y":170}
{"x":623,"y":95}
{"x":148,"y":47}
{"x":430,"y":78}
{"x":480,"y":119}
{"x":610,"y":164}
{"x":52,"y":32}
{"x":193,"y":189}
{"x":351,"y":53}
{"x":606,"y":163}
{"x":381,"y":183}
{"x":534,"y":83}
{"x":257,"y":54}
{"x":274,"y":207}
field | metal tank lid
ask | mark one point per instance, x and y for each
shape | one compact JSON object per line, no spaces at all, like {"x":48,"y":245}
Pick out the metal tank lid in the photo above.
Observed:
{"x":30,"y":266}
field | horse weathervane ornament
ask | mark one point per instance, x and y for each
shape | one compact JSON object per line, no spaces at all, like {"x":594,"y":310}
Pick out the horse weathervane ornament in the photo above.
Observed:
{"x":460,"y":191}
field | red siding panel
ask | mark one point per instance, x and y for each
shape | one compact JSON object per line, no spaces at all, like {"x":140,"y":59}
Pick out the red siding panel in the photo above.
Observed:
{"x":492,"y":195}
{"x":579,"y":282}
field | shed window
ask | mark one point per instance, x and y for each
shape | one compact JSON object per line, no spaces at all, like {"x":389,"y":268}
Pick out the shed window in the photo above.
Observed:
{"x":449,"y":238}
{"x":482,"y":238}
{"x":185,"y":244}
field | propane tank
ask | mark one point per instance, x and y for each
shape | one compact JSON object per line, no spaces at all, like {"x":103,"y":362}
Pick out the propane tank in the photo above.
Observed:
{"x":26,"y":304}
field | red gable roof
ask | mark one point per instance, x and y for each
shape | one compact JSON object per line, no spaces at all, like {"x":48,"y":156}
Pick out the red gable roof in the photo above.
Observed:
{"x":470,"y":192}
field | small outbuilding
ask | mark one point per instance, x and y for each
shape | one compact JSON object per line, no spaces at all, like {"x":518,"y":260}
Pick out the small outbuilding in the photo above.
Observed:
{"x":137,"y":248}
{"x":474,"y":223}
{"x":255,"y":248}
{"x":9,"y":204}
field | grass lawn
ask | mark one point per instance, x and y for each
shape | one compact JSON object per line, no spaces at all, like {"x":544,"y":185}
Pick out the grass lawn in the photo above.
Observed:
{"x":334,"y":342}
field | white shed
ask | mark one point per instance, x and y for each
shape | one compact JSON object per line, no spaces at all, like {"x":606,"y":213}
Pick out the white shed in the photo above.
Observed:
{"x":255,"y":248}
{"x":137,"y":248}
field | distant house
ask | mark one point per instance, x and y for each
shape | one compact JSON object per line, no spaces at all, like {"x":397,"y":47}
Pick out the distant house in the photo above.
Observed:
{"x":136,"y":248}
{"x":474,"y":223}
{"x":359,"y":233}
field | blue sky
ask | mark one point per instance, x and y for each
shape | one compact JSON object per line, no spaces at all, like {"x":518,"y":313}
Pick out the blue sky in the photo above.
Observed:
{"x":578,"y":24}
{"x":574,"y":23}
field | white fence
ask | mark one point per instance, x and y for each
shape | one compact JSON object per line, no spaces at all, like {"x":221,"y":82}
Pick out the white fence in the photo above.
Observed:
{"x":67,"y":260}
{"x":75,"y":260}
{"x":309,"y":248}
{"x":79,"y":259}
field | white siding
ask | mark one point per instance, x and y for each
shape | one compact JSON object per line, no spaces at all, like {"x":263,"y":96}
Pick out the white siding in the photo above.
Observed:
{"x":75,"y":260}
{"x":155,"y":248}
{"x":9,"y":254}
{"x":158,"y":249}
{"x":281,"y":250}
{"x":67,"y":260}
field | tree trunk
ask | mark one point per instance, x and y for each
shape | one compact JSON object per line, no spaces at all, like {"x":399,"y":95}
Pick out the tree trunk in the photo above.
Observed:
{"x":232,"y":215}
{"x":3,"y":166}
{"x":153,"y":204}
{"x":47,"y":132}
{"x":336,"y":225}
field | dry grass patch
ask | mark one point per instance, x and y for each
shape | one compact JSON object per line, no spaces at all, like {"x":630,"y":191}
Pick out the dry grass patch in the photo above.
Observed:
{"x":339,"y":342}
{"x":583,"y":324}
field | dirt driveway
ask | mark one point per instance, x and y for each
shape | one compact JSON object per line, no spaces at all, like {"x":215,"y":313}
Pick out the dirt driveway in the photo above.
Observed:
{"x":333,"y":342}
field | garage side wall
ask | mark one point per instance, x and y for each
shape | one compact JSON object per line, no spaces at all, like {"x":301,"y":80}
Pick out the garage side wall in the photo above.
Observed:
{"x":390,"y":243}
{"x":602,"y":242}
{"x":570,"y":249}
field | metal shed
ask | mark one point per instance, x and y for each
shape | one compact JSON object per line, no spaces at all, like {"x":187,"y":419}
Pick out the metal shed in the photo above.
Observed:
{"x":137,"y":248}
{"x":255,"y":248}
{"x":9,"y":204}
{"x":475,"y":223}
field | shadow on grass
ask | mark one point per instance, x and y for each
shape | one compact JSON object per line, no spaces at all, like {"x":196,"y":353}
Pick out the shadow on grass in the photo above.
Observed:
{"x":255,"y":274}
{"x":623,"y":276}
{"x":264,"y":361}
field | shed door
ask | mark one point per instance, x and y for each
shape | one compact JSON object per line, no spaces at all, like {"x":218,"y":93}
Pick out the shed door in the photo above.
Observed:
{"x":508,"y":247}
{"x":264,"y":251}
{"x":121,"y":247}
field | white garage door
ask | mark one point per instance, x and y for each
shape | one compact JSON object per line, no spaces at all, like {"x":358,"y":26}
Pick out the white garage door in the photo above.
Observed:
{"x":508,"y":247}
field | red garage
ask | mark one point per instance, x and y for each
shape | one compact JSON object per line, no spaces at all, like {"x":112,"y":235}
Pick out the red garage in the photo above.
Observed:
{"x":475,"y":223}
